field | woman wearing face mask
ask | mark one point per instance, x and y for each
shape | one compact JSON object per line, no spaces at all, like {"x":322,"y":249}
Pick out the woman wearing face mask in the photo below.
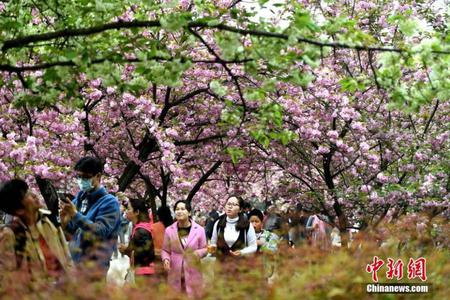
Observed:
{"x":140,"y":247}
{"x":184,"y":244}
{"x":233,"y":235}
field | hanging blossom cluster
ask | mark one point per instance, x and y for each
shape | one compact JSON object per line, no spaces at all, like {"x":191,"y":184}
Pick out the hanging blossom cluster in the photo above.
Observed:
{"x":38,"y":142}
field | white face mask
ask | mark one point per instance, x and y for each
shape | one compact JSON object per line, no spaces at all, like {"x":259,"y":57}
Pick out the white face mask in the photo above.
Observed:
{"x":85,"y":184}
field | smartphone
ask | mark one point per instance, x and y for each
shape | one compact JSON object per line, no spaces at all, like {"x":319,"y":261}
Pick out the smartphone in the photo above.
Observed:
{"x":64,"y":196}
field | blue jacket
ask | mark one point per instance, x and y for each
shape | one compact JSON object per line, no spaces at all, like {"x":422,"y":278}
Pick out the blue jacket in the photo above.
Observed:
{"x":95,"y":228}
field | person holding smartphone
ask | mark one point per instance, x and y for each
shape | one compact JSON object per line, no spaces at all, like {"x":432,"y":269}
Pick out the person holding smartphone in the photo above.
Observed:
{"x":92,"y":218}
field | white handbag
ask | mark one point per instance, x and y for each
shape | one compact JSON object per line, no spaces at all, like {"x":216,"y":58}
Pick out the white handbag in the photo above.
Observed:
{"x":130,"y":276}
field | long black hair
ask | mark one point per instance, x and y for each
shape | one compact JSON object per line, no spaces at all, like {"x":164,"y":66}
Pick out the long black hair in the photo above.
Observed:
{"x":165,"y":216}
{"x":242,"y":223}
{"x":142,"y":206}
{"x":12,"y":193}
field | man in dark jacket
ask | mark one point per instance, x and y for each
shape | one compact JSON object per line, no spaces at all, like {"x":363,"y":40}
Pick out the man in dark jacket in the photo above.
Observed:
{"x":92,"y":218}
{"x":212,"y":218}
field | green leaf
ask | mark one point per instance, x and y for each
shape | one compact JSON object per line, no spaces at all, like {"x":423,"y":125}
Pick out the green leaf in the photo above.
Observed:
{"x":51,"y":75}
{"x":349,"y":84}
{"x":408,"y":27}
{"x":175,"y":21}
{"x":302,"y":20}
{"x":255,"y":94}
{"x":231,"y":116}
{"x":229,"y":44}
{"x":261,"y":137}
{"x":235,"y":153}
{"x":70,"y":54}
{"x":213,"y":22}
{"x":99,"y":5}
{"x":234,"y":13}
{"x":286,"y":136}
{"x":269,"y":85}
{"x":218,"y":88}
{"x":300,"y":78}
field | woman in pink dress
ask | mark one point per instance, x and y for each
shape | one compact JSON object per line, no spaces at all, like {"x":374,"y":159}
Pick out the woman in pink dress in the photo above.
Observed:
{"x":183,"y":247}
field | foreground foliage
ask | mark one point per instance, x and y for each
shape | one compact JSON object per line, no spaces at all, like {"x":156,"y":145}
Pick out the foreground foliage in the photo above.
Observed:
{"x":301,"y":273}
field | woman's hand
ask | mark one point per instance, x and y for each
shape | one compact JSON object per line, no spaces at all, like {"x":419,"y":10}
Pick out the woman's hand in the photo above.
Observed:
{"x":166,"y":264}
{"x":235,"y":253}
{"x":122,"y":248}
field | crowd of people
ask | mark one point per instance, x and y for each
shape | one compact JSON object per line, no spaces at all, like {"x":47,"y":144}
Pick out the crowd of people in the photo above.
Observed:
{"x":93,"y":226}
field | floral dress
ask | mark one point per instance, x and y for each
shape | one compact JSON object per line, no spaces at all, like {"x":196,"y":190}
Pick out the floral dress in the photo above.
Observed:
{"x":270,"y":241}
{"x":269,"y":246}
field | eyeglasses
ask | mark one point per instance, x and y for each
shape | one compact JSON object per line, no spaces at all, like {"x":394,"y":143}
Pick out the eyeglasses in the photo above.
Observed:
{"x":229,"y":204}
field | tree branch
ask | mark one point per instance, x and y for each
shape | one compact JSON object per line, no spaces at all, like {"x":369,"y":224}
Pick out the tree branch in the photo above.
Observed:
{"x":230,"y":73}
{"x":165,"y":178}
{"x":44,"y":66}
{"x":30,"y":119}
{"x":19,"y":42}
{"x":198,"y":141}
{"x":202,"y":180}
{"x":72,"y":32}
{"x":150,"y":187}
{"x":427,"y":126}
{"x":188,"y":96}
{"x":166,"y":108}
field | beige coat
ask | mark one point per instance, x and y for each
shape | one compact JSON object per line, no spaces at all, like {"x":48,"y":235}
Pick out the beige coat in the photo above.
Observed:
{"x":33,"y":260}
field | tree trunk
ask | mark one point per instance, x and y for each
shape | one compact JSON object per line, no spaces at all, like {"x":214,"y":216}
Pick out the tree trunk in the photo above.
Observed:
{"x":201,"y":181}
{"x":345,"y":238}
{"x":128,"y":175}
{"x":153,"y":207}
{"x":147,"y":146}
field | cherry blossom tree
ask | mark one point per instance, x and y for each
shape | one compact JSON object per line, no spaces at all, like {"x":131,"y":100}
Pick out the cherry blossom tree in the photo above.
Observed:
{"x":340,"y":104}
